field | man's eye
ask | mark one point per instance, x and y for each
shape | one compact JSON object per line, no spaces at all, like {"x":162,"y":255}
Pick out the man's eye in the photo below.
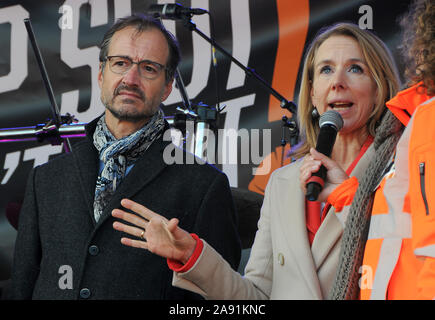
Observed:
{"x":149,"y":68}
{"x":120,"y":63}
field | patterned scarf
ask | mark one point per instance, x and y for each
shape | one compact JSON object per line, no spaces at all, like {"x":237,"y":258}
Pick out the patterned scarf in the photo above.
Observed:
{"x":117,"y":155}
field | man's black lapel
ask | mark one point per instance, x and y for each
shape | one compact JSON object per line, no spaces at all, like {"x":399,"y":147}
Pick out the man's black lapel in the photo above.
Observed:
{"x":86,"y":169}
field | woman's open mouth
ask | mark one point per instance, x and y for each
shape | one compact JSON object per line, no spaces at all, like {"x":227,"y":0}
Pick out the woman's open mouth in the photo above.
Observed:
{"x":337,"y":106}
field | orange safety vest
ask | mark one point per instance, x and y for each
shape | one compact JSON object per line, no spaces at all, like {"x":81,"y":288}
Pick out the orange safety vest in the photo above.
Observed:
{"x":399,"y":257}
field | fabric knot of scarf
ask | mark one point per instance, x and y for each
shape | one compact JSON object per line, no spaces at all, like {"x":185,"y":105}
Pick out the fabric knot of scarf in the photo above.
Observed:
{"x":117,"y":155}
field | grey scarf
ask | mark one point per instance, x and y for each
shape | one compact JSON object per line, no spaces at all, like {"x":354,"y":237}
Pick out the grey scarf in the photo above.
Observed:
{"x":117,"y":155}
{"x":346,"y":284}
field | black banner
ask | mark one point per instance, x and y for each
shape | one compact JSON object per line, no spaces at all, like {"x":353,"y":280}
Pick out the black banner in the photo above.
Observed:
{"x":265,"y":35}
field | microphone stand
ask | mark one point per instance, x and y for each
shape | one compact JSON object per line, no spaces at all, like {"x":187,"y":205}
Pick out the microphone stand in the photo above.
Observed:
{"x":45,"y":131}
{"x":284,"y":103}
{"x":56,"y":118}
{"x":56,"y":129}
{"x":204,"y":117}
{"x":291,"y":125}
{"x":182,"y":89}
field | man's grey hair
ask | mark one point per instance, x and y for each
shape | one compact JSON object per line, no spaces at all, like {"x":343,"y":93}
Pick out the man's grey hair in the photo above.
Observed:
{"x":142,"y":23}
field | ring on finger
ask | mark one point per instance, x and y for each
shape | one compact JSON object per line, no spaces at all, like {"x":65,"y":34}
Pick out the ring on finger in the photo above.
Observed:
{"x":142,"y":235}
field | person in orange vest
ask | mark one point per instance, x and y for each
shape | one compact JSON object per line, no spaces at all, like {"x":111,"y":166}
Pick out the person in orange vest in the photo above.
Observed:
{"x":389,"y":253}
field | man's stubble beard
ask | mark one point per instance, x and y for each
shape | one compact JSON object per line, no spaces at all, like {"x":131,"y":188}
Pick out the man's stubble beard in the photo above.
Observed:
{"x":125,"y":113}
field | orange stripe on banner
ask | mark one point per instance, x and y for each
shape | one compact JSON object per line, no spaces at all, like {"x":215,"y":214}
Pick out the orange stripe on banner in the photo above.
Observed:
{"x":293,"y":20}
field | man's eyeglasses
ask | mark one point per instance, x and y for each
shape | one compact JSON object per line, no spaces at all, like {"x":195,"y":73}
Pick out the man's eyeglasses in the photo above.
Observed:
{"x":147,"y":69}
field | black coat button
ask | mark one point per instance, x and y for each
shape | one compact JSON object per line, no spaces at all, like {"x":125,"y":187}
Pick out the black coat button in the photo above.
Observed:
{"x":93,"y":250}
{"x":85,"y":293}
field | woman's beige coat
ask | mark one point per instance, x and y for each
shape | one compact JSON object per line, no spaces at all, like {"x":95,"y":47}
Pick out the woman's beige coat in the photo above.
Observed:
{"x":281,"y":265}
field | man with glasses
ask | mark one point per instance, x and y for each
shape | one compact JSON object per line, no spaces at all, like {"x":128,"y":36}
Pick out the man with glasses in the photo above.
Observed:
{"x":66,"y":246}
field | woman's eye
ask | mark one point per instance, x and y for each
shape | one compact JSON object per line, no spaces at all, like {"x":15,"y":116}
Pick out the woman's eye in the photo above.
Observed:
{"x":355,"y":68}
{"x":325,"y":69}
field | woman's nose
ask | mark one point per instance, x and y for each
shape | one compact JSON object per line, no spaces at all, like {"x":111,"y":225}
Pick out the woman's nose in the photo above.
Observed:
{"x":339,"y":81}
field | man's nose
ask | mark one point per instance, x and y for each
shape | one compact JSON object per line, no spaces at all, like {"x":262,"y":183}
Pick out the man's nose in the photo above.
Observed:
{"x":132,"y":76}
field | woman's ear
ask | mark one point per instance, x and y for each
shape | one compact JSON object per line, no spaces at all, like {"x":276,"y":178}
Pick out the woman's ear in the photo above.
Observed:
{"x":315,"y":114}
{"x":313,"y":102}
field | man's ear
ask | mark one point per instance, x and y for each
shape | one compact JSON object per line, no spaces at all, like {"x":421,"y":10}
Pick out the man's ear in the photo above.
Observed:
{"x":100,"y":74}
{"x":167,"y":90}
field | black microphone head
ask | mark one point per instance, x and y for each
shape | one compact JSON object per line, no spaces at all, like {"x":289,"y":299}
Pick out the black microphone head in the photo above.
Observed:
{"x":330,"y":123}
{"x":173,"y":11}
{"x":165,"y":11}
{"x":154,"y":10}
{"x":332,"y":118}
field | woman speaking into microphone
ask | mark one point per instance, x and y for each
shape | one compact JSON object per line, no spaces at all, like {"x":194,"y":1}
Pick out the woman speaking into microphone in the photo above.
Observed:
{"x":296,"y":249}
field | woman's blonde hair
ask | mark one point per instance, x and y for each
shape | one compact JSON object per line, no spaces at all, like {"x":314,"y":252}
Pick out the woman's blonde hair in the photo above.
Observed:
{"x":380,"y":64}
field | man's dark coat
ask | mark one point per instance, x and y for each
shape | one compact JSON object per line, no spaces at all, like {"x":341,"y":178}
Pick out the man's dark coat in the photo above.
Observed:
{"x":59,"y":237}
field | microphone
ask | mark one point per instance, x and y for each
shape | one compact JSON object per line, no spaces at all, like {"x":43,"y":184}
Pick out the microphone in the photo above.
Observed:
{"x":173,"y":11}
{"x":330,"y":123}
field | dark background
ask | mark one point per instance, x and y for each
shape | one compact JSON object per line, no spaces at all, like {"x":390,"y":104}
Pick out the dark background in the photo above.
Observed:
{"x":28,"y":105}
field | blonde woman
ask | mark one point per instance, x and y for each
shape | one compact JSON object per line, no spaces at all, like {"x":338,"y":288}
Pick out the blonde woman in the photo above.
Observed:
{"x":346,"y":69}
